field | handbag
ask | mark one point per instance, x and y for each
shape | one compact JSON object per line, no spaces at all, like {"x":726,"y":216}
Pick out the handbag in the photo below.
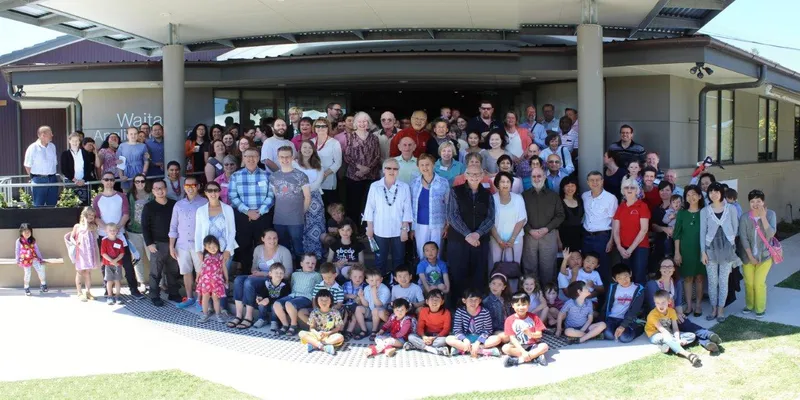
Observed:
{"x":72,"y":248}
{"x":511,"y":269}
{"x":773,"y":245}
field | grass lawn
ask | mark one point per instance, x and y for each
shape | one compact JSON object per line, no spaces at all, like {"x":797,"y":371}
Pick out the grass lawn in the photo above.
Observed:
{"x":170,"y":384}
{"x":760,"y":360}
{"x":792,"y":282}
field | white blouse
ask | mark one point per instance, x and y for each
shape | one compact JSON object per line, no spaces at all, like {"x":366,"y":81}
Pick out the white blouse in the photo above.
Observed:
{"x":506,"y":216}
{"x":331,"y":156}
{"x":314,"y":176}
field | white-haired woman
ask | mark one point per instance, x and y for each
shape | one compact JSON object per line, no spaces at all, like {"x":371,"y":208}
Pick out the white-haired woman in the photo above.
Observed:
{"x":447,"y":166}
{"x":362,"y":155}
{"x":630,"y":226}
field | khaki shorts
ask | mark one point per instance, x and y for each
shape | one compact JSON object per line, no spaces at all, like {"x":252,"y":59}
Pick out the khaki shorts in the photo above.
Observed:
{"x":189,"y":260}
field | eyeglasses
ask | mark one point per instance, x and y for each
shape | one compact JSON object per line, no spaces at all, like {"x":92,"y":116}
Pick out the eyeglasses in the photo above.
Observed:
{"x":229,"y":164}
{"x":667,"y":266}
{"x":337,"y":109}
{"x":387,"y":120}
{"x":190,"y":185}
{"x":391,"y":168}
{"x":486,"y":108}
{"x":553,"y":162}
{"x":630,"y":188}
{"x":320,"y":126}
{"x":212,"y":190}
{"x":138,"y":181}
{"x":108,"y":179}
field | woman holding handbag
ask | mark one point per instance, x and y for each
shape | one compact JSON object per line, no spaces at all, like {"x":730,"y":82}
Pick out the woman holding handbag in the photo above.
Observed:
{"x":509,"y":219}
{"x":759,"y":250}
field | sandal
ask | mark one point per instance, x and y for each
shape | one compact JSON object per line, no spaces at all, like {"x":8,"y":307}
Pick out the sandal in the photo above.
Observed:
{"x":283,"y":330}
{"x":373,"y":336}
{"x":232,"y":323}
{"x":348,"y":336}
{"x":292,"y":330}
{"x":246,"y":323}
{"x":360,"y":336}
{"x":710,"y":317}
{"x":695,"y":360}
{"x":698,"y":314}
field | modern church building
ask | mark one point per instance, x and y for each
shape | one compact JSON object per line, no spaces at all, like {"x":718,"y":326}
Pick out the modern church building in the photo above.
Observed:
{"x":635,"y":62}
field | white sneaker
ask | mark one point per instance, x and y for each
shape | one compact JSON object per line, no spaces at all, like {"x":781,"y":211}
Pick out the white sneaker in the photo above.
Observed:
{"x":219,"y":318}
{"x":203,"y":318}
{"x":259,"y":324}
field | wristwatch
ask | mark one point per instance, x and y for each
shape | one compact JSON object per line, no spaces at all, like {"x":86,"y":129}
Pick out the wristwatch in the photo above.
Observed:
{"x":405,"y":229}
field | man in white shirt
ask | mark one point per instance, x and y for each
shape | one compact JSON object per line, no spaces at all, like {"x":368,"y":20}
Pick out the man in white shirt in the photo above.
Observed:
{"x":269,"y":150}
{"x":406,"y":160}
{"x":40,"y":163}
{"x":600,"y":207}
{"x":537,"y":130}
{"x":388,"y":216}
{"x":386,"y":133}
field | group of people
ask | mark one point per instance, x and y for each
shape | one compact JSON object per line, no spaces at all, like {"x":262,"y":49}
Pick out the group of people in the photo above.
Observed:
{"x":500,"y":199}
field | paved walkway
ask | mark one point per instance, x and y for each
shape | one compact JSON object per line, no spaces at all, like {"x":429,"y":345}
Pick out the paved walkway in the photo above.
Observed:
{"x":56,"y":335}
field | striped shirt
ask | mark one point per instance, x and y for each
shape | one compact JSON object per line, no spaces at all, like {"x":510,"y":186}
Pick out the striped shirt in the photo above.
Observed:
{"x":303,"y":283}
{"x":465,"y":324}
{"x":250,"y":191}
{"x":336,"y":291}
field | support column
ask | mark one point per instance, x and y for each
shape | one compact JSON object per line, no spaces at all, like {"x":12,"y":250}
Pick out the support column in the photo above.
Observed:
{"x":173,"y":92}
{"x":591,"y":99}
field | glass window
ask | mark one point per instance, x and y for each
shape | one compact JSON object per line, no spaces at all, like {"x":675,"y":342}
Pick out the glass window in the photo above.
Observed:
{"x":315,"y":104}
{"x":797,"y":132}
{"x":719,"y":125}
{"x":263,"y":104}
{"x":767,"y":129}
{"x":226,"y":107}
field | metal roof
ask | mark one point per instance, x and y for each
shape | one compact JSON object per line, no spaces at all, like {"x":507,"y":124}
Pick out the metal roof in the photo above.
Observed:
{"x":669,"y":18}
{"x":37,"y":49}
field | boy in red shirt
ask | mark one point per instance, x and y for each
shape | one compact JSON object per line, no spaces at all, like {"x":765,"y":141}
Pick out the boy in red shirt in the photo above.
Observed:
{"x":112,"y":249}
{"x":524,"y":331}
{"x":433,"y":326}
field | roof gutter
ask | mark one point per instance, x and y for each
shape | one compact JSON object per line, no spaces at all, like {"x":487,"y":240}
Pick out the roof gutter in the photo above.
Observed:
{"x":78,"y":106}
{"x":701,"y":137}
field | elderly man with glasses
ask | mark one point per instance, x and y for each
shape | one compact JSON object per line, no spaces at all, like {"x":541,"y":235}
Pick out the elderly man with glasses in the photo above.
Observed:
{"x":416,"y":131}
{"x":386,"y":133}
{"x":250,"y":195}
{"x":388,"y":216}
{"x":545,"y":214}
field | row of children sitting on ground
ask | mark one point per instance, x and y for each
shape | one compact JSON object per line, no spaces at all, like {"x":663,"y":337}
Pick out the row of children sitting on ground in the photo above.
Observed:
{"x":404,"y":317}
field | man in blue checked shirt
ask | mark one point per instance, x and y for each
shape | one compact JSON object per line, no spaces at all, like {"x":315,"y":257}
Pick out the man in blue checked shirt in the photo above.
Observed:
{"x":251,"y":197}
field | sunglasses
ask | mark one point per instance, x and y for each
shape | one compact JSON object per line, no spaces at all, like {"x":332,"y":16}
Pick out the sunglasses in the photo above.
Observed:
{"x":138,"y":181}
{"x":229,"y":164}
{"x":486,"y":108}
{"x":108,"y":179}
{"x":212,"y":190}
{"x":553,"y":162}
{"x":190,"y":185}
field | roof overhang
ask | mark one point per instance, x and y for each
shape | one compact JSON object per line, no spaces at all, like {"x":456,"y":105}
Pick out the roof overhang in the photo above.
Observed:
{"x":143,"y":26}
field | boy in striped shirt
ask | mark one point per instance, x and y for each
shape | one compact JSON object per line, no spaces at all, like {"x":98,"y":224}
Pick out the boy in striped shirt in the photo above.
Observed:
{"x":328,"y":272}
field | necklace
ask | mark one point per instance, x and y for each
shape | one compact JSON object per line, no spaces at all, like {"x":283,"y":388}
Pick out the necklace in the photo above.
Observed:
{"x":386,"y":196}
{"x":323,"y":144}
{"x":176,"y":189}
{"x":427,"y":182}
{"x":694,"y":216}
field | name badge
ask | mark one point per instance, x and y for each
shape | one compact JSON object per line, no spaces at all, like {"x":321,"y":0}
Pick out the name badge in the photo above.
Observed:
{"x":117,"y":246}
{"x":219,"y":166}
{"x":262,"y":183}
{"x":270,"y":262}
{"x":485,"y":185}
{"x":196,"y":149}
{"x":225,"y":185}
{"x":443,"y":168}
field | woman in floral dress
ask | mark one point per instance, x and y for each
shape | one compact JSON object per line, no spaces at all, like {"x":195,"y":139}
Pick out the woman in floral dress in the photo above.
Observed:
{"x":309,"y":162}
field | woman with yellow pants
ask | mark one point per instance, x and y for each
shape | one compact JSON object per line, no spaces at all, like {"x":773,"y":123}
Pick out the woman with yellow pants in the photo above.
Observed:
{"x":756,"y":257}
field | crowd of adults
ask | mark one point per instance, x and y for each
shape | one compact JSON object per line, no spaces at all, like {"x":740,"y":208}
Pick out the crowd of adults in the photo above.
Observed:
{"x":484,"y":190}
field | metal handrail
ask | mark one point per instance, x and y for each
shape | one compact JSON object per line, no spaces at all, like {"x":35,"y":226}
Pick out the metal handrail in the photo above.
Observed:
{"x":69,"y":183}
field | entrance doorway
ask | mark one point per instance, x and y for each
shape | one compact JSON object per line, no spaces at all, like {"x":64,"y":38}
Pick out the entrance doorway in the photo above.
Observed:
{"x":403,"y":102}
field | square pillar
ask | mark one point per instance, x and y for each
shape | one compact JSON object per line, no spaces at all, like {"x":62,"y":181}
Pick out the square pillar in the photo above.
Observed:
{"x":591,"y":98}
{"x":173,"y":92}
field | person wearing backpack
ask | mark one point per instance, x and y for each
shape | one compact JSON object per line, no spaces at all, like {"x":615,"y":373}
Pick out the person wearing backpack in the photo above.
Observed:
{"x":759,"y":251}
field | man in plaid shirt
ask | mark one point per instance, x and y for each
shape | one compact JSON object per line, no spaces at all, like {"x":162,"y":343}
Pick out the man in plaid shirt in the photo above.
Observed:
{"x":251,"y":197}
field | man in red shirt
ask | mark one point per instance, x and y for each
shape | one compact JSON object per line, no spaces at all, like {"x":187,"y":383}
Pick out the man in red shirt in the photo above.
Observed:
{"x":417,"y":132}
{"x":651,"y":196}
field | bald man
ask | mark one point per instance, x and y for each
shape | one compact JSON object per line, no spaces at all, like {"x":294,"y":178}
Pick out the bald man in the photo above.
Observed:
{"x":416,"y":131}
{"x":386,"y":133}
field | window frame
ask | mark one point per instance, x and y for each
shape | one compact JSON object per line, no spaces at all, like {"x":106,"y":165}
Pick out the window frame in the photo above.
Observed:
{"x":797,"y":132}
{"x":718,"y":134}
{"x":767,"y":102}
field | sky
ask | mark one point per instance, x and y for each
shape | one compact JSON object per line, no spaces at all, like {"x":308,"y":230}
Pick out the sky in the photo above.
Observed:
{"x":767,"y":21}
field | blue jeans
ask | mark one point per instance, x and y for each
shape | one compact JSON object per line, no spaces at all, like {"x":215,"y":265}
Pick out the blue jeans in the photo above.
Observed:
{"x":631,"y":332}
{"x":674,"y":344}
{"x":44,"y":196}
{"x":597,"y":243}
{"x":638,"y":264}
{"x":298,"y":303}
{"x":387,"y":246}
{"x":291,"y":237}
{"x":701,"y":333}
{"x":245,"y":288}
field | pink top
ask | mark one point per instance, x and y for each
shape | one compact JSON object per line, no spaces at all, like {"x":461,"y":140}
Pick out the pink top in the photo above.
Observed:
{"x":223,"y":181}
{"x":298,"y":140}
{"x":25,"y":253}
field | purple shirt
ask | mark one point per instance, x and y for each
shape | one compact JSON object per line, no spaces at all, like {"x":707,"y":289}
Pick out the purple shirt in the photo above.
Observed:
{"x":181,"y":225}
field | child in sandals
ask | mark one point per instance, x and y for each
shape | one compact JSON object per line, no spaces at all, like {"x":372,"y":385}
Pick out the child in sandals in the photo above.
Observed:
{"x":394,"y":333}
{"x":324,"y":325}
{"x":303,"y":282}
{"x":374,"y":300}
{"x":662,"y":329}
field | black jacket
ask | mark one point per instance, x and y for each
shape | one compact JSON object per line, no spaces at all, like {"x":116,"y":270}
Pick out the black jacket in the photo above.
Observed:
{"x":68,"y":165}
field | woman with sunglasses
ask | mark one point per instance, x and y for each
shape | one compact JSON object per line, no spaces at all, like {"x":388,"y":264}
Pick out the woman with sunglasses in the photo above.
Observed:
{"x":229,"y":165}
{"x":215,"y":218}
{"x":330,"y":155}
{"x":138,"y":195}
{"x":630,"y":226}
{"x":214,"y":165}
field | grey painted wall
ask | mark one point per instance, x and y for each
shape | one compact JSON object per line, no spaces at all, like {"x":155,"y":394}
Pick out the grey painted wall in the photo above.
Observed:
{"x":560,"y":95}
{"x":106,"y":111}
{"x":642,"y":102}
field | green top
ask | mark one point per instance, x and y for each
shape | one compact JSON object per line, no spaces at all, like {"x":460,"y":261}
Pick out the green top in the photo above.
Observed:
{"x":135,"y":221}
{"x":687,"y":230}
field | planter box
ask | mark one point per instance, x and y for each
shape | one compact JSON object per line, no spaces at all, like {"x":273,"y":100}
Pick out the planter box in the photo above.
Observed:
{"x":39,"y":217}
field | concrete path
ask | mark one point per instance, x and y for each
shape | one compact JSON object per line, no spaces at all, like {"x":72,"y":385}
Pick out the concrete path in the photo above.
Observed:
{"x":57,"y":336}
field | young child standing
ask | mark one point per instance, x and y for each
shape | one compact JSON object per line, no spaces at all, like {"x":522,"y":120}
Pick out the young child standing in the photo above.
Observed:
{"x":433,"y":326}
{"x":324,"y":324}
{"x":394,"y":332}
{"x":27,"y":255}
{"x":303,"y":282}
{"x":212,"y":279}
{"x":432,"y":271}
{"x":538,"y":304}
{"x":328,"y":272}
{"x":405,"y":289}
{"x":274,"y":289}
{"x":111,"y":250}
{"x":353,"y":289}
{"x":577,"y":315}
{"x":554,"y":302}
{"x":374,"y":300}
{"x":83,"y":239}
{"x":662,"y":329}
{"x":524,"y":330}
{"x":472,"y":329}
{"x":497,"y":303}
{"x":345,"y":252}
{"x":623,"y":306}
